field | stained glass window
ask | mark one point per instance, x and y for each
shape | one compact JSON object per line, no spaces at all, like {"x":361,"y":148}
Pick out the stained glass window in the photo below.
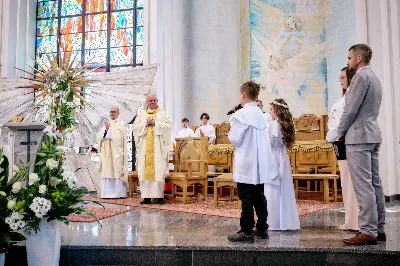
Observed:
{"x":103,"y":33}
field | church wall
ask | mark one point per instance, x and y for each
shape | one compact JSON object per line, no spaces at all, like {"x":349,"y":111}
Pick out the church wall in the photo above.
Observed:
{"x":212,"y":76}
{"x":17,"y":42}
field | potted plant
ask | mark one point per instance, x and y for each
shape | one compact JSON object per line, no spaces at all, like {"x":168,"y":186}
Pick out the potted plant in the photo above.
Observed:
{"x":8,"y":234}
{"x":48,"y":197}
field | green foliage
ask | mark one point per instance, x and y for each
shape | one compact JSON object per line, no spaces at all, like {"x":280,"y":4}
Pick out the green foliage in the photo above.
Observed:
{"x":7,"y":237}
{"x":48,"y":183}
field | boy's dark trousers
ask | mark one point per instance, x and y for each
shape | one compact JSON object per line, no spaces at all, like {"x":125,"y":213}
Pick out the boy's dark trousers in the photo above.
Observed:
{"x":252,"y":196}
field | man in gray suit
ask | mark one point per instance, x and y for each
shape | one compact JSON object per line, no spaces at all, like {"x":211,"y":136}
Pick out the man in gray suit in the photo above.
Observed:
{"x":360,"y":128}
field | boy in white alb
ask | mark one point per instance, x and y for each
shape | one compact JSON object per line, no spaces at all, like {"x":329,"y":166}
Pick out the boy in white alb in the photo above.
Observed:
{"x":251,"y":167}
{"x":206,"y":130}
{"x":186,"y":131}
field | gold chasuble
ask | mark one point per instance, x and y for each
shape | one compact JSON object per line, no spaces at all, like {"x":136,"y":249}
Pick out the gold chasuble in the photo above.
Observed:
{"x":153,"y":143}
{"x":149,"y":164}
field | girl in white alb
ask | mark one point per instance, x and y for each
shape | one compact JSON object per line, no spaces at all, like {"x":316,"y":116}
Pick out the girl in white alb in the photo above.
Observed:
{"x":279,"y":190}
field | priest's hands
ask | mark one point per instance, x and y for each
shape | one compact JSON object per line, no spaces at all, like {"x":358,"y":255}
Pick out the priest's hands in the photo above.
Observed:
{"x":107,"y":125}
{"x":150,"y":122}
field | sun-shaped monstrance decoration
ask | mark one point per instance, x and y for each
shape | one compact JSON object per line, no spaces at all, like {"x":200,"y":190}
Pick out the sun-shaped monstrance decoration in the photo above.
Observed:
{"x":58,"y":90}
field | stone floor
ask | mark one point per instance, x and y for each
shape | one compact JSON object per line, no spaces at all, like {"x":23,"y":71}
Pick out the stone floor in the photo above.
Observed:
{"x":157,"y":237}
{"x":148,"y":227}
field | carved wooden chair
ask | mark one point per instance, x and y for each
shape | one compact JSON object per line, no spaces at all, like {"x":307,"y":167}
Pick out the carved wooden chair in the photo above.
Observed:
{"x":316,"y":154}
{"x":221,"y":132}
{"x":309,"y":127}
{"x":191,"y":158}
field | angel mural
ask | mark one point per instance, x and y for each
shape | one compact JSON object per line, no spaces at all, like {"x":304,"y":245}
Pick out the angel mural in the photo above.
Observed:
{"x":288,"y":52}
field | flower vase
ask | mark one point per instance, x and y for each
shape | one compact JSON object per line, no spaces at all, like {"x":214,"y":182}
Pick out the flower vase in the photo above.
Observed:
{"x":43,"y":247}
{"x":2,"y":259}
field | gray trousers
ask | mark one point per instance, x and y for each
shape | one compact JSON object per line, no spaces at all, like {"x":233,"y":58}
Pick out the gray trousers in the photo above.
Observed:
{"x":364,"y":171}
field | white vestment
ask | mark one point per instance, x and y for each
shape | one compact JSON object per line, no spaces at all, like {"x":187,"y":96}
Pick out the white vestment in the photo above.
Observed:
{"x":113,"y":160}
{"x":185,"y":133}
{"x":252,"y":150}
{"x":279,"y":191}
{"x":268,"y":117}
{"x":209,"y":131}
{"x":162,"y":138}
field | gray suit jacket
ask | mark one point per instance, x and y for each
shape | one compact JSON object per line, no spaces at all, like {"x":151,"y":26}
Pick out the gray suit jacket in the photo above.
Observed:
{"x":363,"y":99}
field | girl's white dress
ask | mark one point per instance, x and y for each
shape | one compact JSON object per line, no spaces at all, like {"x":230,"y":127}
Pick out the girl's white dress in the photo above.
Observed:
{"x":279,"y":191}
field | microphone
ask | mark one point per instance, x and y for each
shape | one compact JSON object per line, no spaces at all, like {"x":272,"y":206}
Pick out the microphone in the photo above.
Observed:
{"x":235,"y":109}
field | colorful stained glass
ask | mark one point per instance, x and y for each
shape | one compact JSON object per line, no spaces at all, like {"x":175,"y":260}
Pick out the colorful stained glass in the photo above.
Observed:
{"x":46,"y":27}
{"x":72,"y":54}
{"x":140,"y":18}
{"x":96,"y":58}
{"x":94,"y":6}
{"x":96,"y":22}
{"x":46,"y":44}
{"x":71,"y":25}
{"x":70,"y":42}
{"x":120,"y":68}
{"x":122,"y":4}
{"x":140,"y":4}
{"x":47,"y":9}
{"x":139,"y":55}
{"x":123,"y":19}
{"x":96,"y":40}
{"x":71,"y":7}
{"x":122,"y":37}
{"x":139,"y":36}
{"x":121,"y":56}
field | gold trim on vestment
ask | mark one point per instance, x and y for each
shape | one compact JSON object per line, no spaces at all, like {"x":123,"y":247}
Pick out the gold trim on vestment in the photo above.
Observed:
{"x":149,"y":171}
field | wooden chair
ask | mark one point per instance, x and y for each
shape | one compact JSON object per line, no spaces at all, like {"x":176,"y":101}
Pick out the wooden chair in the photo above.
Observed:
{"x":316,"y":154}
{"x":191,"y":158}
{"x":221,"y":132}
{"x":309,"y":127}
{"x":133,"y":182}
{"x":222,"y":181}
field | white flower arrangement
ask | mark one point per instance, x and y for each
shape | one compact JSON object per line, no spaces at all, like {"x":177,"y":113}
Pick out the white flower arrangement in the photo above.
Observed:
{"x":33,"y":178}
{"x":49,"y":131}
{"x":15,"y":221}
{"x":11,"y":204}
{"x":51,"y":164}
{"x":70,"y":178}
{"x":40,"y":206}
{"x":54,"y":181}
{"x":16,"y":187}
{"x":42,"y":189}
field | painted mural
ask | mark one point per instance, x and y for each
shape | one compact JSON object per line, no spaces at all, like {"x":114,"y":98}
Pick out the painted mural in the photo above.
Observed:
{"x":287,"y":52}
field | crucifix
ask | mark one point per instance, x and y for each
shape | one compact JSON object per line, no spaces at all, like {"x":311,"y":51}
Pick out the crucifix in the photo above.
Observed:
{"x":24,"y":139}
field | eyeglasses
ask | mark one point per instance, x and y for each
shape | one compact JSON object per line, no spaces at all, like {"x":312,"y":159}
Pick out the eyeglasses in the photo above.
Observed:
{"x":341,"y":78}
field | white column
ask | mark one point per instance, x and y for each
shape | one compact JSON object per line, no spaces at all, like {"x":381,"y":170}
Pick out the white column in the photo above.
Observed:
{"x":165,"y":40}
{"x":4,"y":9}
{"x":17,"y":35}
{"x":383,"y":38}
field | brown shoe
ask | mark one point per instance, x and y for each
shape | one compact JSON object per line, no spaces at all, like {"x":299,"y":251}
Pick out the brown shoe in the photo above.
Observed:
{"x":381,"y":237}
{"x":361,"y":239}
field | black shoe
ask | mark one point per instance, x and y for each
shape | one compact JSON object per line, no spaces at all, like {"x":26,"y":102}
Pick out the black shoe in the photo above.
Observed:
{"x":160,"y":201}
{"x":145,"y":201}
{"x":261,"y":234}
{"x":381,"y":237}
{"x":241,"y":237}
